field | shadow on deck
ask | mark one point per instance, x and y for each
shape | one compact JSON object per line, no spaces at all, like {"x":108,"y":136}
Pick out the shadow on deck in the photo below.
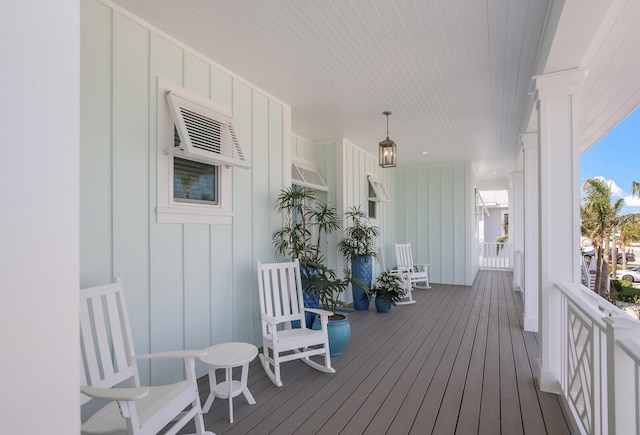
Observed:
{"x":457,"y":361}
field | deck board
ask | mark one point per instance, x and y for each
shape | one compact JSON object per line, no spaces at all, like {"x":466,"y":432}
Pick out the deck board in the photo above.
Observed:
{"x":455,"y":362}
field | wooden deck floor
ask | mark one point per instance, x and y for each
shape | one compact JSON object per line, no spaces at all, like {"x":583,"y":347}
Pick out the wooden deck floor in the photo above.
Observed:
{"x":456,"y":362}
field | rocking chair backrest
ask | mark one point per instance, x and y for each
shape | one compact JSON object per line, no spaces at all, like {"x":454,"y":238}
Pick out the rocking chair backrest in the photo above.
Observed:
{"x":404,"y":257}
{"x":280,"y":288}
{"x":105,"y":338}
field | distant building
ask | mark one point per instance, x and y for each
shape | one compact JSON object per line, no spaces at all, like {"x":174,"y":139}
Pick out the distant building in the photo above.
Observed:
{"x":494,"y":215}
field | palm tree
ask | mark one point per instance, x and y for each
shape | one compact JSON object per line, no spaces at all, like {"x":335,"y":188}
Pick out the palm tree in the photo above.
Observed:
{"x":600,"y":220}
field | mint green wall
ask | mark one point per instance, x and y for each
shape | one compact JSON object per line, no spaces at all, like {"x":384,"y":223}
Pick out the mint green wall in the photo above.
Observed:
{"x":435,"y":215}
{"x":323,"y":155}
{"x":431,"y":208}
{"x":192,"y":285}
{"x":187,"y":285}
{"x":345,"y":167}
{"x":355,"y":166}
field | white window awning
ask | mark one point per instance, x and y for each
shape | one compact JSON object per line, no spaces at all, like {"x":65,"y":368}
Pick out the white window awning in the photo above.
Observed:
{"x":205,"y":133}
{"x":378,"y":189}
{"x":306,"y":174}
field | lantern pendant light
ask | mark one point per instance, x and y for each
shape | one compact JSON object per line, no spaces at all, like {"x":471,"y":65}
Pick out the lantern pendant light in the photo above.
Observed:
{"x":387,"y":148}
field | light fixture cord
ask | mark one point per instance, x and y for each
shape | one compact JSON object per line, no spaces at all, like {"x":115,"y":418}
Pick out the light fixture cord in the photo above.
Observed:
{"x":387,"y":126}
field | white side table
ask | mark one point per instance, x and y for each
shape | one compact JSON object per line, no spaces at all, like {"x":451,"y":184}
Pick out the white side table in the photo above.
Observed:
{"x":227,"y":356}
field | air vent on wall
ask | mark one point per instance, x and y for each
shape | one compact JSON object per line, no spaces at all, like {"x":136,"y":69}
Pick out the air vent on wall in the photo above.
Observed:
{"x":204,"y":133}
{"x":305,"y":174}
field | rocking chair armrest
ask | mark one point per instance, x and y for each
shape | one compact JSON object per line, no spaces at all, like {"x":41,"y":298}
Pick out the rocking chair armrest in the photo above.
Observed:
{"x":270,"y":320}
{"x":402,"y":270}
{"x":173,"y":354}
{"x":115,"y":393}
{"x":319,"y":311}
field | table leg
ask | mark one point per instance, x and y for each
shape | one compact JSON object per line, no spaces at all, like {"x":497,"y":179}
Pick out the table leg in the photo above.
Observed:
{"x":229,"y":382}
{"x":243,"y":382}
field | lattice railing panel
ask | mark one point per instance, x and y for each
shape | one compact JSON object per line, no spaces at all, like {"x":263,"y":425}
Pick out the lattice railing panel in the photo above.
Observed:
{"x":580,"y":367}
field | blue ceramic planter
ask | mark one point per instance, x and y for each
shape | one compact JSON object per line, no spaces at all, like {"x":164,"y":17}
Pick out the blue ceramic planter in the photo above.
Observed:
{"x":383,"y":305}
{"x":310,"y":300}
{"x":361,"y":268}
{"x":339,"y":332}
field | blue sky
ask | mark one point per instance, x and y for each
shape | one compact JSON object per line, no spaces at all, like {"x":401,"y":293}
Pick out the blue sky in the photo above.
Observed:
{"x":616,"y":158}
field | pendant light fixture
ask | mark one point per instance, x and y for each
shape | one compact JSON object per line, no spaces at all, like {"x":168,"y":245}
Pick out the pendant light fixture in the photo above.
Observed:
{"x":387,"y":148}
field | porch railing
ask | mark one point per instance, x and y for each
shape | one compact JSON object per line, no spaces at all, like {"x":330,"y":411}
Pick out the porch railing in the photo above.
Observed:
{"x":497,"y":256}
{"x":600,"y":363}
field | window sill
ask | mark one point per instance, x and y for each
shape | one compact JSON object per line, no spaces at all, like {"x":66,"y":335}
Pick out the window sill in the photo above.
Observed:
{"x":192,"y":215}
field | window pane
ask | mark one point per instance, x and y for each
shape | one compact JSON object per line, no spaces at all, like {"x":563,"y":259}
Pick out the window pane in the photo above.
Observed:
{"x":372,"y":210}
{"x":194,"y":181}
{"x":372,"y":192}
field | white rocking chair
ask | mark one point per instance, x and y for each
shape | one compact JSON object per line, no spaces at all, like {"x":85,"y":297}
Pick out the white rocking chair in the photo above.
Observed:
{"x":417,"y":274}
{"x":281,"y":303}
{"x":111,"y":373}
{"x":406,"y":285}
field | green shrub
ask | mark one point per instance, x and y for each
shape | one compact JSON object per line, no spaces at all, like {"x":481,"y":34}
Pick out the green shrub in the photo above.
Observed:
{"x":624,"y":291}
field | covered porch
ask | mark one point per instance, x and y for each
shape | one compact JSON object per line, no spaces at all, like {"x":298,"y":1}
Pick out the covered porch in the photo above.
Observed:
{"x":457,"y":361}
{"x":87,"y":165}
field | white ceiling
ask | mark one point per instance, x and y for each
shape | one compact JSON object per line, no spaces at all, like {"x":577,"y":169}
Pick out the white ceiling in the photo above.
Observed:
{"x":455,"y":73}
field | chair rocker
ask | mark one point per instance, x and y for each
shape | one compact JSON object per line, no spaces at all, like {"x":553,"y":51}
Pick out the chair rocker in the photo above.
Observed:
{"x":417,"y":274}
{"x":111,"y":373}
{"x":406,"y":286}
{"x":281,"y":303}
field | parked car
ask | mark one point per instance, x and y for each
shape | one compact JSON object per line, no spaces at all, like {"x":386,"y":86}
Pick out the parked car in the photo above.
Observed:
{"x":630,"y":257}
{"x":632,"y":275}
{"x":589,"y":253}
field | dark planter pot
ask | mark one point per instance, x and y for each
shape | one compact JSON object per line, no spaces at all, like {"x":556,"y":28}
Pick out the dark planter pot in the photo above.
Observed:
{"x":310,"y":300}
{"x":361,"y":268}
{"x":383,"y":305}
{"x":339,"y":332}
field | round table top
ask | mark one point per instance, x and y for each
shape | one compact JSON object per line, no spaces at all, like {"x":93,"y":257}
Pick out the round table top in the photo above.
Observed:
{"x":229,"y":354}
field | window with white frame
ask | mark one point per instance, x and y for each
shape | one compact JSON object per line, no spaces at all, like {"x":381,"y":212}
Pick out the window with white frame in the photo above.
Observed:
{"x":377,"y":193}
{"x":197,"y":147}
{"x":305,"y":174}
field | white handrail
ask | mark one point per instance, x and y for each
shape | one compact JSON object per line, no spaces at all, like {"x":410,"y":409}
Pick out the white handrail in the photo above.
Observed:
{"x":631,"y":347}
{"x":496,"y":255}
{"x":586,"y":274}
{"x":599,"y":366}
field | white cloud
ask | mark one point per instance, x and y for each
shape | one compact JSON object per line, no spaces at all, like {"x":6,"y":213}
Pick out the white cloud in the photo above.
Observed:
{"x":631,"y":201}
{"x":615,"y":189}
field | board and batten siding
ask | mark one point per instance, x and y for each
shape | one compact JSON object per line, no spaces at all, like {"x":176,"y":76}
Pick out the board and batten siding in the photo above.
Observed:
{"x":187,"y":285}
{"x":323,"y":155}
{"x":434,"y":215}
{"x":345,"y":167}
{"x":356,"y":164}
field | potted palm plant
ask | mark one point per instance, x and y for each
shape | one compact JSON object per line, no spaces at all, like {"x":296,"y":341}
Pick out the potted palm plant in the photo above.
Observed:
{"x":329,"y":288}
{"x":388,"y":291}
{"x":359,"y":247}
{"x":306,"y":220}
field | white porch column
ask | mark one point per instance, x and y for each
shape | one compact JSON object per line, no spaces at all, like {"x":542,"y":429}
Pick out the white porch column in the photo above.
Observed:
{"x":516,"y":225}
{"x":530,"y":275}
{"x":559,"y":213}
